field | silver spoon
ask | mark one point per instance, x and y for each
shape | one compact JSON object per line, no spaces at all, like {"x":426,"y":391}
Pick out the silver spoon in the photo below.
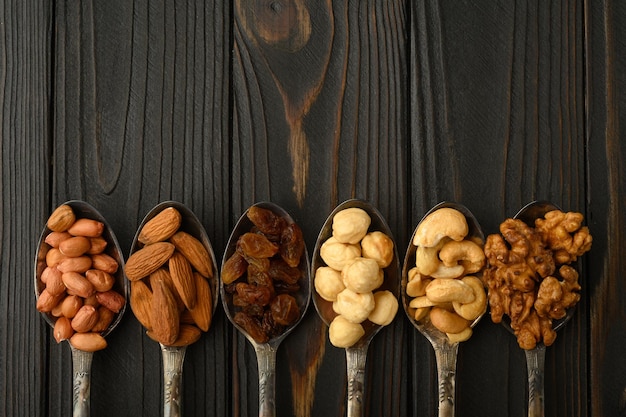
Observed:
{"x":82,"y":360}
{"x":265,"y":352}
{"x":174,"y":356}
{"x":535,"y":358}
{"x":445,"y":351}
{"x":356,"y":355}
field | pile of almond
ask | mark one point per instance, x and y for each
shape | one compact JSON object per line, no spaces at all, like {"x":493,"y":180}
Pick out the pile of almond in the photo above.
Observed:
{"x":79,"y":280}
{"x":169,"y":273}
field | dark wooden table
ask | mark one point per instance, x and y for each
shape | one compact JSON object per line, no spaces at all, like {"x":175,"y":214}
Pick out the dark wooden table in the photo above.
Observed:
{"x":220,"y":104}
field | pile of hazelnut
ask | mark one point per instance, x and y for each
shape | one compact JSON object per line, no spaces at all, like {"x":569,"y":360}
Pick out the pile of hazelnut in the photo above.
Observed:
{"x":355,"y":259}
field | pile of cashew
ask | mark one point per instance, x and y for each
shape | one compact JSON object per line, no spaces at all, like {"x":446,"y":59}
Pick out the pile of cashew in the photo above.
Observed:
{"x":444,"y":288}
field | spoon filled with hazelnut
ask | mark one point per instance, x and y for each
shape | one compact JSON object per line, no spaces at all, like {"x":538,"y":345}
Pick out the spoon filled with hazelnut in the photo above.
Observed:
{"x":355,"y":274}
{"x":532,"y":277}
{"x":80,"y":287}
{"x":173,"y":277}
{"x":265,"y":286}
{"x":442,"y":292}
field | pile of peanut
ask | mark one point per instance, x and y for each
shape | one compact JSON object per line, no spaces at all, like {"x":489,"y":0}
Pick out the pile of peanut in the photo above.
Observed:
{"x":79,"y":280}
{"x":445,"y":289}
{"x":169,"y":277}
{"x":355,"y":260}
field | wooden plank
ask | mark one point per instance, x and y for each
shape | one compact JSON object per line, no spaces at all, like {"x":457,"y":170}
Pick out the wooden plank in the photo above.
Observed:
{"x":141,"y":116}
{"x":25,"y":122}
{"x":319,"y":117}
{"x":497,"y":120}
{"x":606,"y":65}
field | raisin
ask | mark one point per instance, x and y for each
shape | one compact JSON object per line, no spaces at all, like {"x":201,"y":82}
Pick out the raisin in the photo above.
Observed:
{"x":256,"y":246}
{"x":234,"y":267}
{"x":251,"y":326}
{"x":266,"y":221}
{"x":253,"y":294}
{"x":280,"y":271}
{"x":291,"y":245}
{"x":285,"y":309}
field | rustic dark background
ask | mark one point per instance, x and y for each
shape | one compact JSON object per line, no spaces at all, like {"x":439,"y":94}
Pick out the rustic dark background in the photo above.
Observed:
{"x":405,"y":103}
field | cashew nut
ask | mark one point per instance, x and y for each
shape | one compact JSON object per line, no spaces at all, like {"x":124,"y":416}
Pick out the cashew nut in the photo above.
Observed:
{"x":417,"y":283}
{"x":447,"y":321}
{"x":438,"y":224}
{"x":470,"y":311}
{"x":450,"y":290}
{"x":466,"y":253}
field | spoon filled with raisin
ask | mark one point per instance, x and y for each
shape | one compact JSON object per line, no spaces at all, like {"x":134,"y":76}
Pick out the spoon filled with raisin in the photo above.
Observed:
{"x":265,"y":286}
{"x":355,"y":274}
{"x":532,"y":277}
{"x":442,"y":293}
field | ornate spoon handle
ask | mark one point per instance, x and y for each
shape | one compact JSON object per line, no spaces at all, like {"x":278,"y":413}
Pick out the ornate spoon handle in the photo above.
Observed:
{"x":81,"y":364}
{"x":445,"y":355}
{"x":173,"y":358}
{"x":535,"y":361}
{"x":266,"y":362}
{"x":355,"y":362}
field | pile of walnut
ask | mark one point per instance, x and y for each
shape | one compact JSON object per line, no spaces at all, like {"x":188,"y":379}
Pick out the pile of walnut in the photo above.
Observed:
{"x":78,"y":280}
{"x":263,"y":274}
{"x":444,"y":283}
{"x":528,"y":276}
{"x":355,"y":260}
{"x":169,"y":277}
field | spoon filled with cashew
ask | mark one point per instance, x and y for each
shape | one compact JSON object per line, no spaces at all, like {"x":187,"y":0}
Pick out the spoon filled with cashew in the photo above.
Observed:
{"x":442,"y":291}
{"x":532,"y":279}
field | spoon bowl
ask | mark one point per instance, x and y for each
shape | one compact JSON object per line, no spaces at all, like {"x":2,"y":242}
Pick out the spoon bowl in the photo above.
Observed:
{"x":356,"y":355}
{"x":173,"y":356}
{"x":445,"y":350}
{"x":535,"y":358}
{"x":265,"y":351}
{"x":82,"y":360}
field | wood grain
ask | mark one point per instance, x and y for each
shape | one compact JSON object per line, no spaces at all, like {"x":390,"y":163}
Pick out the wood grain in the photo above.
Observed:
{"x":307,"y":103}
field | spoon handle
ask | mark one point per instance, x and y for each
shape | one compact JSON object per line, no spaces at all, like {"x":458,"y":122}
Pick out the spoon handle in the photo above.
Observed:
{"x":81,"y":364}
{"x":446,"y":355}
{"x":355,"y":362}
{"x":535,"y":361}
{"x":266,"y":362}
{"x":173,"y":358}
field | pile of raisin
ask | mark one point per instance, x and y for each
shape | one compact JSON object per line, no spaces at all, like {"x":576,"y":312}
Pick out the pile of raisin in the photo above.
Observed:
{"x":263,"y":274}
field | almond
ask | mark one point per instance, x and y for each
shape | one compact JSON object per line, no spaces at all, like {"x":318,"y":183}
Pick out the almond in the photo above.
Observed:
{"x":101,"y":280}
{"x":182,"y":276}
{"x":164,"y":275}
{"x":203,"y":311}
{"x":104,"y":262}
{"x":86,"y":227}
{"x":84,"y":319}
{"x":88,"y":342}
{"x":75,"y":246}
{"x":164,"y":315}
{"x":62,"y":329}
{"x":187,"y":335}
{"x":61,"y":219}
{"x":160,"y":227}
{"x":194,"y":251}
{"x":140,"y":302}
{"x":78,"y":264}
{"x":111,"y":299}
{"x":105,"y":318}
{"x":77,"y":284}
{"x":147,"y":260}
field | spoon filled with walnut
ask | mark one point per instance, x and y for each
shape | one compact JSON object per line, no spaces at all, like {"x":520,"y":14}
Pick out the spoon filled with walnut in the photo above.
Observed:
{"x":173,"y":277}
{"x":355,"y":274}
{"x":442,"y":291}
{"x":265,"y":286}
{"x":80,"y":287}
{"x":532,"y":280}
